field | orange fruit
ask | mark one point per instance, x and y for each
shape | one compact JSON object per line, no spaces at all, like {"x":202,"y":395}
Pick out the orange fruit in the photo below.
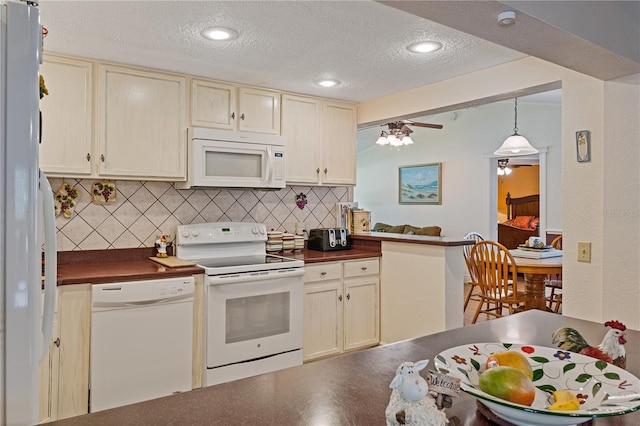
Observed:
{"x":508,"y":383}
{"x":510,"y":359}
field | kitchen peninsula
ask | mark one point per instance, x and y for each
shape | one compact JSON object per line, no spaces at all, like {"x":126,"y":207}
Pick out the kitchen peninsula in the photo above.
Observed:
{"x":350,"y":389}
{"x":421,"y":280}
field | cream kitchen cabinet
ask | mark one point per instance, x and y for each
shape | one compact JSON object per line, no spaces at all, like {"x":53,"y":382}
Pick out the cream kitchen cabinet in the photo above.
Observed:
{"x":338,"y":143}
{"x":341,"y":307}
{"x":321,"y":141}
{"x":141,"y":124}
{"x":301,"y":118}
{"x":67,"y":117}
{"x":224,"y":106}
{"x":64,"y":373}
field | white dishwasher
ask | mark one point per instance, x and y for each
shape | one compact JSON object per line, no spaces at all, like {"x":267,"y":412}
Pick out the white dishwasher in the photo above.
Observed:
{"x":141,"y":341}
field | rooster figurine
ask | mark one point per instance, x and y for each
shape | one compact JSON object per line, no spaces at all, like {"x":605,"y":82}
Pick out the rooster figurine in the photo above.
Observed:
{"x":610,"y":350}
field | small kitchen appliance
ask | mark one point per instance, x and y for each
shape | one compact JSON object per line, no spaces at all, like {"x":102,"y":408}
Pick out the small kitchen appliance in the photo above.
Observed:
{"x":328,"y":239}
{"x":253,"y":300}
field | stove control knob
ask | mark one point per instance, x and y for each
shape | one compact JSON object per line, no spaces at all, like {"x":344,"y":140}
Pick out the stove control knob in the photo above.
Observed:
{"x":255,"y":230}
{"x":194,"y":232}
{"x":185,"y":233}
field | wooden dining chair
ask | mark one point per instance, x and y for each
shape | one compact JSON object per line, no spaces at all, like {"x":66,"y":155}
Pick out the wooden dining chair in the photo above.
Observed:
{"x":473,"y":282}
{"x":554,"y":282}
{"x":494,"y":267}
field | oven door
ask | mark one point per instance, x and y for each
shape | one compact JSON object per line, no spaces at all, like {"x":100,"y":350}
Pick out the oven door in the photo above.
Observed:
{"x":253,"y":315}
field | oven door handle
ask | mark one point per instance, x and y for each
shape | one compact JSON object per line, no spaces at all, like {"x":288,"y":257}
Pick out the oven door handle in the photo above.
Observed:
{"x":255,"y":276}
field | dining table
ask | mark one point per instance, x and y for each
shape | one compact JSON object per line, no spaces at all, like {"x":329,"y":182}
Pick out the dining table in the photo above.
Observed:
{"x":535,"y":273}
{"x":353,"y":388}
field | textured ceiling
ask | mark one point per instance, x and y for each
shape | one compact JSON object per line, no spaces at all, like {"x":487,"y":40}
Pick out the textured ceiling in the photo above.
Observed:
{"x":289,"y":45}
{"x":285,"y":45}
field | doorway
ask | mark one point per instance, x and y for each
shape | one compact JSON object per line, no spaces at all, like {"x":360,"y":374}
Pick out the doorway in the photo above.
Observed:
{"x":519,"y":177}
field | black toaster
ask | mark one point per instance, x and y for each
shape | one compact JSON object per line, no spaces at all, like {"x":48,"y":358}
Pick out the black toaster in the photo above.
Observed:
{"x":328,"y":239}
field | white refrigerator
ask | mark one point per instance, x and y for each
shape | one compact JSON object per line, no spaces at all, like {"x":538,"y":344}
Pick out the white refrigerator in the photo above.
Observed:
{"x":24,"y":337}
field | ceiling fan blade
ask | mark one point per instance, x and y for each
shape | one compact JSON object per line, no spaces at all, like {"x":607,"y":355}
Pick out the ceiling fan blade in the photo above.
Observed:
{"x":431,"y":126}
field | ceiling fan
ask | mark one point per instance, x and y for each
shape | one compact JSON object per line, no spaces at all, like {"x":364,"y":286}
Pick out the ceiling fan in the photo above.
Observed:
{"x":504,"y":168}
{"x":399,"y":131}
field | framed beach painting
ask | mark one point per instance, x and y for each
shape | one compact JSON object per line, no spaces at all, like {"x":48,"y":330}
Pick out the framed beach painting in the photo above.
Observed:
{"x":421,"y":184}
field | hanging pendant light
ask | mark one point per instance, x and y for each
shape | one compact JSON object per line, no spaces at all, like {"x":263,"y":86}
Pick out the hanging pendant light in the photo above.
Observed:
{"x":516,"y":145}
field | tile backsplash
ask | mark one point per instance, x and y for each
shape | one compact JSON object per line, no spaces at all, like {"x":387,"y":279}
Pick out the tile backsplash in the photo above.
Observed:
{"x":144,"y":210}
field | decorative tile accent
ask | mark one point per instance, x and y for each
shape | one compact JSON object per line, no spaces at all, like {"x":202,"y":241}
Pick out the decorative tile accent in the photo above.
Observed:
{"x":146,"y":209}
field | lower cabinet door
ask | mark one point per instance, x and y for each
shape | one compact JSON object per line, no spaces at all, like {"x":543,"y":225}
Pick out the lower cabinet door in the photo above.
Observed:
{"x":361,"y":327}
{"x":323,"y":333}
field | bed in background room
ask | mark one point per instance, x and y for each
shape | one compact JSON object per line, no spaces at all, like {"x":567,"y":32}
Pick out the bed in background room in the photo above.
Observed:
{"x":523,"y":217}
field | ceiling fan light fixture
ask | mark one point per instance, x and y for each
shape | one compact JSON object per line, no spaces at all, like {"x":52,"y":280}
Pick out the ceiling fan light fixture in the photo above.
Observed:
{"x":219,"y":34}
{"x":503,"y":168}
{"x":425,"y":46}
{"x":382,"y":140}
{"x":407,"y":140}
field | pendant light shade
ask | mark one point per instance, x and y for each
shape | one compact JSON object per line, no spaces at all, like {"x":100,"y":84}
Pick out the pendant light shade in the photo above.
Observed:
{"x":515,"y":145}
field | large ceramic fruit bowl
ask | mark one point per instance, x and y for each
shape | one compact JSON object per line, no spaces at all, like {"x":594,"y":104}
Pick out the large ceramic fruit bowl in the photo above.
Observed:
{"x":603,"y":389}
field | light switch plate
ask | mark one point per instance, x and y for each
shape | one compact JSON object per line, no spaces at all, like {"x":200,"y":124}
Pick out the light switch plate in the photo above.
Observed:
{"x":584,"y":251}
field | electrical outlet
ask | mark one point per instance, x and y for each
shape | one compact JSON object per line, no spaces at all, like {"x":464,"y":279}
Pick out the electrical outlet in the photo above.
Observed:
{"x":300,"y":228}
{"x":584,"y":251}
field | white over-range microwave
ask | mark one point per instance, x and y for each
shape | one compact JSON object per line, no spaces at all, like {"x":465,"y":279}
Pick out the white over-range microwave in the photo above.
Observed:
{"x":221,"y":158}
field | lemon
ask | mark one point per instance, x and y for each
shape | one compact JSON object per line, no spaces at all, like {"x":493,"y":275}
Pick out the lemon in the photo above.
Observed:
{"x":564,"y":401}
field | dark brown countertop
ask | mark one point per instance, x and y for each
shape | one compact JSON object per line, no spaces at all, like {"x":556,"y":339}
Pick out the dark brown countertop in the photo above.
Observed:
{"x":116,"y":265}
{"x":413,"y":239}
{"x":356,"y":252}
{"x":349,"y":389}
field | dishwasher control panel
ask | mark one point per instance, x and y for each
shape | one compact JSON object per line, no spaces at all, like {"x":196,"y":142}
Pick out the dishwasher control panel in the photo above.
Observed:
{"x":173,"y":288}
{"x":144,"y":291}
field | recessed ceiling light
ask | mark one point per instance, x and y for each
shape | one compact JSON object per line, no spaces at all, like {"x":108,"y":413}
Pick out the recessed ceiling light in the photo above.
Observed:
{"x":425,"y":46}
{"x":219,"y":34}
{"x":328,"y":83}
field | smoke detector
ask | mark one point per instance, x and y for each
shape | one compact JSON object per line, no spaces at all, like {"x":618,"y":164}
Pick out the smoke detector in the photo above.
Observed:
{"x":507,"y":17}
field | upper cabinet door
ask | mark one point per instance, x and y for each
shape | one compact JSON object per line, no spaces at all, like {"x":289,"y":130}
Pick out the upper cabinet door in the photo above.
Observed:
{"x":142,"y":124}
{"x":301,"y":128}
{"x":67,"y":118}
{"x":213,"y":105}
{"x":259,"y":111}
{"x":338,"y":143}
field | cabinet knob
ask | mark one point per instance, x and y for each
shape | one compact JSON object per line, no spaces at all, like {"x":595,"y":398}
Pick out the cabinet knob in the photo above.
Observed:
{"x":88,"y":157}
{"x":233,"y":115}
{"x":348,"y":296}
{"x":325,"y":170}
{"x":340,"y":298}
{"x":57,"y":342}
{"x":102,"y":157}
{"x":318,"y":170}
{"x":323,"y":273}
{"x":364,"y":268}
{"x":242,"y":116}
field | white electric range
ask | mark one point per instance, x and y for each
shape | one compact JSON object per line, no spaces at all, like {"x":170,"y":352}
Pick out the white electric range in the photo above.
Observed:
{"x":254,"y":300}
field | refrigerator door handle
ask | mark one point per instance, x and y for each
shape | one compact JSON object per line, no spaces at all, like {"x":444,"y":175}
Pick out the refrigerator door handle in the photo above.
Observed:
{"x":50,"y":266}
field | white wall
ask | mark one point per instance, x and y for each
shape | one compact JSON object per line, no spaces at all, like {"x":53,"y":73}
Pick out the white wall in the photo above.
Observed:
{"x":599,"y":290}
{"x":462,"y":147}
